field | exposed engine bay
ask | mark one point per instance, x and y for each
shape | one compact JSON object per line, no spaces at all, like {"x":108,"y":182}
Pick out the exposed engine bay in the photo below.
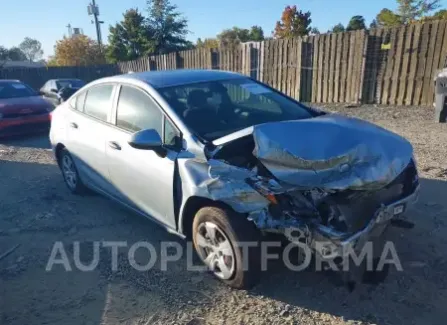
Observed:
{"x":337,"y":196}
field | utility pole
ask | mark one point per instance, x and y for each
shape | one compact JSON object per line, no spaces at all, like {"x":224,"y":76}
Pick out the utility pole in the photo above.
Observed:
{"x":93,"y":10}
{"x":70,"y":33}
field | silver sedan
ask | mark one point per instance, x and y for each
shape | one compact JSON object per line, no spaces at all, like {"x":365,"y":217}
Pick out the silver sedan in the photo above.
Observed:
{"x":223,"y":159}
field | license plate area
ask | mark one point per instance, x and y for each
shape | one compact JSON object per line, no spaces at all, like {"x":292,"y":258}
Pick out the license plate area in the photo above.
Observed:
{"x":398,"y":209}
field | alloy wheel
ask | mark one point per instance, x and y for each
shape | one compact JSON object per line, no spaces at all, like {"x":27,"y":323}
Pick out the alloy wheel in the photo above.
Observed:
{"x":215,"y":250}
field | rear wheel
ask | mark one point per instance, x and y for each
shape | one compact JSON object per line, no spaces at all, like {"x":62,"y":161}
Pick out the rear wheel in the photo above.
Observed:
{"x":70,"y":173}
{"x":218,"y":235}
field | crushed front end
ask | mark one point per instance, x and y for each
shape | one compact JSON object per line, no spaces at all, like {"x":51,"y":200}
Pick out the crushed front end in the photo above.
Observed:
{"x":330,"y":182}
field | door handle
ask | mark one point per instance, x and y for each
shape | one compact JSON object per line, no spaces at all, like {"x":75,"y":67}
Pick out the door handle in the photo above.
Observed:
{"x":114,"y":145}
{"x":73,"y":125}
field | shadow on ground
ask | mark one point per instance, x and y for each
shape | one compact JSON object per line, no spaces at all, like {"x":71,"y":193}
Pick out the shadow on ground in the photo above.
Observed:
{"x":38,"y":211}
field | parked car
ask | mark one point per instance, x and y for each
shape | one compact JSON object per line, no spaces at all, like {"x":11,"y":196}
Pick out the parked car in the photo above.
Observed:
{"x":57,"y":91}
{"x":223,"y":159}
{"x":22,"y":110}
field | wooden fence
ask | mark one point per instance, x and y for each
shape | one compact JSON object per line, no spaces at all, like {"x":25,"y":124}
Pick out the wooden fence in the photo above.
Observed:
{"x":393,"y":66}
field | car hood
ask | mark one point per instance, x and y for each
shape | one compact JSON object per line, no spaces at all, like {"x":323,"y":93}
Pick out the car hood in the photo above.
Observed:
{"x":33,"y":103}
{"x":330,"y":152}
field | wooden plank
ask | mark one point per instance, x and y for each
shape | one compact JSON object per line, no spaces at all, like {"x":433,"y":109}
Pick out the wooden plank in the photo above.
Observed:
{"x":337,"y":66}
{"x":356,"y":64}
{"x":349,"y":80}
{"x":285,"y":66}
{"x":314,"y":72}
{"x":364,"y":39}
{"x":428,"y":76}
{"x":432,"y":64}
{"x":344,"y":67}
{"x":298,"y":56}
{"x":389,"y":67}
{"x":403,"y":77}
{"x":326,"y":65}
{"x":333,"y":58}
{"x":276,"y":65}
{"x":397,"y":65}
{"x":280,"y":64}
{"x":423,"y":53}
{"x":413,"y":58}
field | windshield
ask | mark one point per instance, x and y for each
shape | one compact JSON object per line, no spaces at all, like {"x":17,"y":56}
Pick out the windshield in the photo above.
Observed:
{"x":217,"y":108}
{"x":15,"y":90}
{"x":73,"y":83}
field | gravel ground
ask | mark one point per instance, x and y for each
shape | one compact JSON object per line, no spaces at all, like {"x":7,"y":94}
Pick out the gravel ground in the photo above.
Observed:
{"x":36,"y":210}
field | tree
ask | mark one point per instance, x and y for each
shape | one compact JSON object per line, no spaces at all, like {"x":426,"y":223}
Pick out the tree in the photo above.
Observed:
{"x":77,"y":51}
{"x":130,"y":38}
{"x":387,"y":18}
{"x":15,"y":54}
{"x":293,"y":23}
{"x":373,"y":24}
{"x":169,"y":27}
{"x":32,"y":49}
{"x":408,"y":11}
{"x":439,"y":15}
{"x":314,"y":31}
{"x":256,"y":34}
{"x":339,"y":28}
{"x":356,"y":23}
{"x":411,"y":10}
{"x":207,"y":43}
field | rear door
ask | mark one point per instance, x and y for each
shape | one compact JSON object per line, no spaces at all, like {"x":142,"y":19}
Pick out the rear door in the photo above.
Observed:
{"x":144,"y":179}
{"x":88,"y":124}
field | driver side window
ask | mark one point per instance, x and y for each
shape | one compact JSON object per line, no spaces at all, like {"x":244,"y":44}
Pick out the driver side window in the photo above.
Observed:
{"x":137,"y":111}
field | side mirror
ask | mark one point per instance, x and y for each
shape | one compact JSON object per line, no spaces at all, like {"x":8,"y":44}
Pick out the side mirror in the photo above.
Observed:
{"x":148,"y":140}
{"x":54,"y":90}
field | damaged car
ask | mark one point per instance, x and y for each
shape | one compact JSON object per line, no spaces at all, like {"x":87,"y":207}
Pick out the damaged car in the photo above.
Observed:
{"x":223,"y":160}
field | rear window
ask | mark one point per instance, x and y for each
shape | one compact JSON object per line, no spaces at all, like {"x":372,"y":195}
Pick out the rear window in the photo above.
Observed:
{"x":15,"y":90}
{"x":98,"y":103}
{"x":69,"y":83}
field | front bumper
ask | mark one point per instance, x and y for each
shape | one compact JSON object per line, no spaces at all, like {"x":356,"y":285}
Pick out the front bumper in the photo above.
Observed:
{"x":25,"y":125}
{"x":329,"y":244}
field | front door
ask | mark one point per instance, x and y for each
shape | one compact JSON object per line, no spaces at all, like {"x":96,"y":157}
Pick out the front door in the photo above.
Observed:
{"x":143,"y":179}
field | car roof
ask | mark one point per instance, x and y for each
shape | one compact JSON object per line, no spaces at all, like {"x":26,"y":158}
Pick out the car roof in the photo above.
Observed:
{"x":9,"y":80}
{"x":168,"y":78}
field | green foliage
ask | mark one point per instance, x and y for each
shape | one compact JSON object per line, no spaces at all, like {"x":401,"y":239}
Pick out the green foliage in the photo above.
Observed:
{"x":169,"y":27}
{"x":408,"y":11}
{"x":314,"y":31}
{"x":339,"y":28}
{"x":230,"y":38}
{"x":373,"y":24}
{"x":130,"y":39}
{"x":256,"y":34}
{"x":163,"y":30}
{"x":411,"y":10}
{"x":12,"y":54}
{"x":208,"y":43}
{"x":387,"y":18}
{"x":293,"y":23}
{"x":32,"y":49}
{"x":356,"y":23}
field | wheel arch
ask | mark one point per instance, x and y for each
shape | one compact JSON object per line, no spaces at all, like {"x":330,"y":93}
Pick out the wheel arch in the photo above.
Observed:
{"x":190,"y":208}
{"x":58,"y":150}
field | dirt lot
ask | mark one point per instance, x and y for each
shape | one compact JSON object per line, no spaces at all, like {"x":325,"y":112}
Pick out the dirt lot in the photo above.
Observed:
{"x":36,"y":210}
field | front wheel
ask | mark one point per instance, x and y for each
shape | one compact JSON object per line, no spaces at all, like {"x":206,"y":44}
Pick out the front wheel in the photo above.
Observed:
{"x":219,"y":236}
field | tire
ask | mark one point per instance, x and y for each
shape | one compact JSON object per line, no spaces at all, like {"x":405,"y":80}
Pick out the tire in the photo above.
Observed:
{"x":71,"y":178}
{"x":234,"y":228}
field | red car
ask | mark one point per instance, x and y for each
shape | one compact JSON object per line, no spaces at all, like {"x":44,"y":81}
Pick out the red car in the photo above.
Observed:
{"x":22,"y":110}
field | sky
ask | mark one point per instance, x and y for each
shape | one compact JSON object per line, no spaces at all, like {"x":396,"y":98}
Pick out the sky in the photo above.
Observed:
{"x":46,"y":20}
